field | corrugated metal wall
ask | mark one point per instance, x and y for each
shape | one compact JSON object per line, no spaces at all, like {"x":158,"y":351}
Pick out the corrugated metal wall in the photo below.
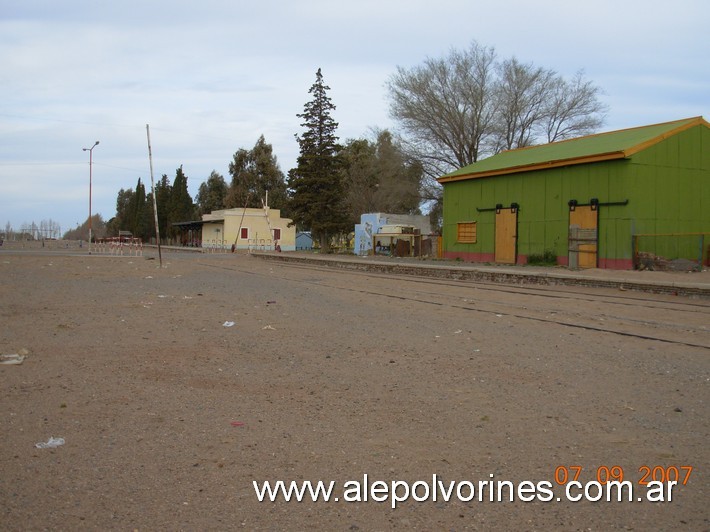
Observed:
{"x":667,"y":185}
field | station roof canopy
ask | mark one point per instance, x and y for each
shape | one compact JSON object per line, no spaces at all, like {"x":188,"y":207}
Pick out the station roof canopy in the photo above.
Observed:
{"x":194,"y":224}
{"x":592,"y":148}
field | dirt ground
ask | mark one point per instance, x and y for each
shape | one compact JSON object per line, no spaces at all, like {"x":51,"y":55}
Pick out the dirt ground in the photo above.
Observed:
{"x":168,"y":415}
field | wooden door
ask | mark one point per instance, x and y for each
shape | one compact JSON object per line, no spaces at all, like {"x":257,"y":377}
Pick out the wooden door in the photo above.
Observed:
{"x":506,"y":235}
{"x":583,"y":239}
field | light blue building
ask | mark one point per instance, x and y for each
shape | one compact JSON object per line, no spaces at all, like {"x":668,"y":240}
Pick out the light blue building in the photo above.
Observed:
{"x":372,"y":224}
{"x":304,"y":241}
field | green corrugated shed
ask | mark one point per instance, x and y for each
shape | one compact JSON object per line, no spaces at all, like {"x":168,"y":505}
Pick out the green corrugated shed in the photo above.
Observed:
{"x":647,"y":180}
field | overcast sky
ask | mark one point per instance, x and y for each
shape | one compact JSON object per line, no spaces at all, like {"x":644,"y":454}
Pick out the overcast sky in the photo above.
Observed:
{"x":210,"y":77}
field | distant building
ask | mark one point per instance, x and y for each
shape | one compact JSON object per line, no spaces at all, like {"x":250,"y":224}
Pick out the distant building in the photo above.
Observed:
{"x":252,"y":229}
{"x":304,"y":241}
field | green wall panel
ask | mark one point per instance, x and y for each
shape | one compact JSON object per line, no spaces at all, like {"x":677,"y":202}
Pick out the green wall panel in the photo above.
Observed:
{"x":667,"y":186}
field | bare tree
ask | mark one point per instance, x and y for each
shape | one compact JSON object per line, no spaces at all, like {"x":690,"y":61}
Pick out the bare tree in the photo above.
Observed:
{"x":522,"y":92}
{"x":445,"y":107}
{"x":573,"y":109}
{"x":453,"y":111}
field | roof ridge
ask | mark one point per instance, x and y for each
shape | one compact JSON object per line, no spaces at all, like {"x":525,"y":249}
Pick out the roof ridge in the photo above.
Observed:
{"x":620,"y":143}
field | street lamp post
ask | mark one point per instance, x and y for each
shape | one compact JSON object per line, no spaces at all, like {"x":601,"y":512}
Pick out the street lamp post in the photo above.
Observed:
{"x":91,"y":154}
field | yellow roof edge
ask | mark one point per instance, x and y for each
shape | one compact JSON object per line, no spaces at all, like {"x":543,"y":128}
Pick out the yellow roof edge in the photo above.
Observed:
{"x":694,"y":121}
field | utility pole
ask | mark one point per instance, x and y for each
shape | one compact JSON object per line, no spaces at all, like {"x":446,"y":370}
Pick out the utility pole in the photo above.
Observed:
{"x":91,"y":155}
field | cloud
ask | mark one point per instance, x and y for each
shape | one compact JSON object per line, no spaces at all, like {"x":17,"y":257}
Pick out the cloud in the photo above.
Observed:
{"x":210,"y":77}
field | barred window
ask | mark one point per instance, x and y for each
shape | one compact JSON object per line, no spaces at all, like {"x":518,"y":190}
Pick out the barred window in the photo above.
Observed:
{"x":466,"y":232}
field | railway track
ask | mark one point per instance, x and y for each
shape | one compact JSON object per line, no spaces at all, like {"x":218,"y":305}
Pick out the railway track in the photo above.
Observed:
{"x":660,"y":318}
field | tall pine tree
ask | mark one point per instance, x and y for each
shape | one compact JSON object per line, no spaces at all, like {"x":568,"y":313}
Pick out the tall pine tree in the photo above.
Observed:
{"x":180,"y":206}
{"x":317,"y":195}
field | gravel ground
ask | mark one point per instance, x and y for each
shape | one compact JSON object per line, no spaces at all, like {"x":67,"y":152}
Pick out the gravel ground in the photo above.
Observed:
{"x":169,"y":415}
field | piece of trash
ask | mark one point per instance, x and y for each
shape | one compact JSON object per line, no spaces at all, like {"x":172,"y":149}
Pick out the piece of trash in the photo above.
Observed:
{"x":51,"y":443}
{"x":622,"y":288}
{"x":271,"y":302}
{"x":148,"y":277}
{"x":228,"y":324}
{"x":161,"y":295}
{"x":268,"y":328}
{"x":499,"y":315}
{"x":13,"y":358}
{"x":237,"y":423}
{"x":458,"y":332}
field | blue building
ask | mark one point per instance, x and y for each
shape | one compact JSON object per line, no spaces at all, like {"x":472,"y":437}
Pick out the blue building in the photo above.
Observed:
{"x":304,"y":241}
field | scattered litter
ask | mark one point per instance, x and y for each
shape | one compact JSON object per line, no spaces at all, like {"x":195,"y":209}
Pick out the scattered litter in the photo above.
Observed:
{"x":13,"y":358}
{"x":268,"y":328}
{"x":228,"y":324}
{"x":51,"y":443}
{"x":187,"y":297}
{"x":271,"y":302}
{"x":161,"y":295}
{"x":499,"y":315}
{"x":458,"y":332}
{"x":622,"y":288}
{"x":148,"y":277}
{"x":237,"y":423}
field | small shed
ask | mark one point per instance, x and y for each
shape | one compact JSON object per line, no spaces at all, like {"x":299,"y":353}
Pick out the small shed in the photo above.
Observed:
{"x":610,"y":200}
{"x":304,"y":241}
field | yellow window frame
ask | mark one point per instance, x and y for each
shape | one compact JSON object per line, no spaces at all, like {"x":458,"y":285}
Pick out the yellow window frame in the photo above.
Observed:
{"x":466,"y":232}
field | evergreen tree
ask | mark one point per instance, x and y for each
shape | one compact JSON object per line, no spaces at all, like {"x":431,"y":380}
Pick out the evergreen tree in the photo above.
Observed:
{"x":141,"y":213}
{"x":180,"y":206}
{"x":379,"y":177}
{"x":212,"y":194}
{"x":163,"y":190}
{"x":134,"y":214}
{"x":255,"y":172}
{"x":120,"y":221}
{"x":316,"y":184}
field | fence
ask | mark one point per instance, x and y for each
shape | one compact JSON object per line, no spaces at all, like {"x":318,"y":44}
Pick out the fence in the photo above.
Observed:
{"x":120,"y":245}
{"x":260,"y":244}
{"x":214,"y":246}
{"x":671,"y":251}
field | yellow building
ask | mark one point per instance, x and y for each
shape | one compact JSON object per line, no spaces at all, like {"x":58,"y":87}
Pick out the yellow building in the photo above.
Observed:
{"x":252,"y":229}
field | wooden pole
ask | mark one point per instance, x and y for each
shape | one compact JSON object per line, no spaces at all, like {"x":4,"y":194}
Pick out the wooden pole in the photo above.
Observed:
{"x":155,"y":200}
{"x":239,"y":229}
